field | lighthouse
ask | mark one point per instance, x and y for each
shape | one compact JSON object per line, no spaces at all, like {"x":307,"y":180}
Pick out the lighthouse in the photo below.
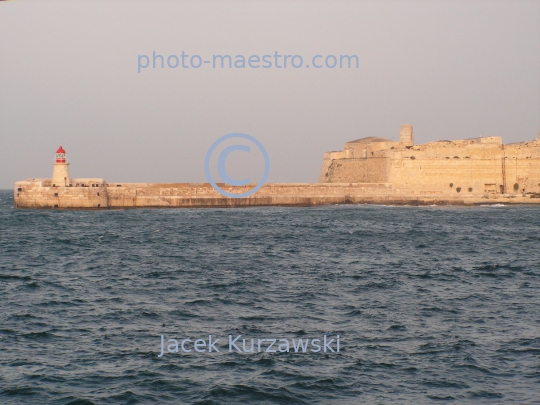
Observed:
{"x":60,"y":176}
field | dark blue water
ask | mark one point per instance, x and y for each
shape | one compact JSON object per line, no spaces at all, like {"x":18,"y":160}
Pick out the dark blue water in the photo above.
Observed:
{"x":432,"y":304}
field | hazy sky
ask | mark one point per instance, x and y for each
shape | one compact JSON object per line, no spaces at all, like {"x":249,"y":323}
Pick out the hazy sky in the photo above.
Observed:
{"x":68,"y":76}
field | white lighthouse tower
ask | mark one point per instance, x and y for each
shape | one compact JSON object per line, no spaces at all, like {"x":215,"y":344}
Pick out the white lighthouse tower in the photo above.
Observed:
{"x":60,"y":176}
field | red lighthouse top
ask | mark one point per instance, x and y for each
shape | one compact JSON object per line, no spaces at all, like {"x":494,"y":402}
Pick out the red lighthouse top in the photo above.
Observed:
{"x":60,"y":155}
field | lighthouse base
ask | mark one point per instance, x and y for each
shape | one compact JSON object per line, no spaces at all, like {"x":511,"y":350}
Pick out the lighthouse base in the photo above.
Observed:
{"x":42,"y":193}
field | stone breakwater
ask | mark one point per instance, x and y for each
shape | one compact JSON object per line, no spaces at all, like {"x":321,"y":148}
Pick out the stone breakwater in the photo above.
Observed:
{"x":98,"y":194}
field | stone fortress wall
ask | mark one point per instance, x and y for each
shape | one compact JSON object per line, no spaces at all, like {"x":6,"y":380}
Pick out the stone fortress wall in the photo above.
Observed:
{"x":476,"y":166}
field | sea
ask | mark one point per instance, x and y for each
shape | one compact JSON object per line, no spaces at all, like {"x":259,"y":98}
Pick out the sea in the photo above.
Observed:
{"x":432,"y":304}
